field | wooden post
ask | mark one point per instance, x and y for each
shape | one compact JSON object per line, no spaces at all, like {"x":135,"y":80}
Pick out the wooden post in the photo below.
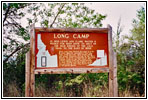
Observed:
{"x":115,"y":83}
{"x":111,"y":85}
{"x":32,"y":61}
{"x":27,"y":75}
{"x":30,"y":64}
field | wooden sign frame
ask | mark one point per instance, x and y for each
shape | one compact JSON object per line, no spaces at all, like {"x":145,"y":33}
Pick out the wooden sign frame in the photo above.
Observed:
{"x":30,"y":61}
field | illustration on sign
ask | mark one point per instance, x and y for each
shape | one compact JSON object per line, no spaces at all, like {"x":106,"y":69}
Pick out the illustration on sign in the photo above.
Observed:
{"x":44,"y":58}
{"x":101,"y":59}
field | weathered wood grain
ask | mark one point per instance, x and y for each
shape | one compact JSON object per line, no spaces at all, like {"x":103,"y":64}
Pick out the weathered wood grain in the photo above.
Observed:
{"x":71,"y":70}
{"x":27,"y":75}
{"x":72,"y":30}
{"x":115,"y":76}
{"x":111,"y":86}
{"x":32,"y":61}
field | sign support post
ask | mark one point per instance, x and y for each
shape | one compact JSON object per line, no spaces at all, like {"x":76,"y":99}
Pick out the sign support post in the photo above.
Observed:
{"x":115,"y":76}
{"x":30,"y":66}
{"x":111,"y":85}
{"x":32,"y":61}
{"x":27,"y":75}
{"x":113,"y":92}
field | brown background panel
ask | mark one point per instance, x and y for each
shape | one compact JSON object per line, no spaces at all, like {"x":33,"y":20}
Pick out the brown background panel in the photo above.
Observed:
{"x":101,"y":40}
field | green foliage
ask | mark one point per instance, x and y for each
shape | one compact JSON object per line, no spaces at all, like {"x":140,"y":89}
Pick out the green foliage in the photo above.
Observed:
{"x":14,"y":70}
{"x":75,"y":15}
{"x":4,"y":6}
{"x":77,"y":80}
{"x":45,"y":22}
{"x":131,"y":57}
{"x":13,"y":31}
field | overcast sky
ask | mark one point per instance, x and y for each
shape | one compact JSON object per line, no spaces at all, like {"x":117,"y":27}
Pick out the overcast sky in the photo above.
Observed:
{"x":127,"y":11}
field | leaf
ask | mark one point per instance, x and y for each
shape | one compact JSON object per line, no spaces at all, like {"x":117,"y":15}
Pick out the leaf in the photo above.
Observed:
{"x":92,"y":11}
{"x":45,"y":23}
{"x":75,"y":25}
{"x":74,"y":4}
{"x":130,"y":62}
{"x":21,"y":14}
{"x":22,"y":31}
{"x":15,"y":5}
{"x":29,"y":20}
{"x":5,"y":46}
{"x":4,"y":6}
{"x":62,"y":12}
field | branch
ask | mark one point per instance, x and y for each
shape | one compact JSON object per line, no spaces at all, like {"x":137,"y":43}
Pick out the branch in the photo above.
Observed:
{"x":13,"y":10}
{"x":16,"y":24}
{"x":60,"y":9}
{"x":17,"y":49}
{"x":6,"y":14}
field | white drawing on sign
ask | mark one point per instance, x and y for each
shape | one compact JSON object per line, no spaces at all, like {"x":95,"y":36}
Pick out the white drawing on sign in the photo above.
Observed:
{"x":101,"y":59}
{"x":44,"y":59}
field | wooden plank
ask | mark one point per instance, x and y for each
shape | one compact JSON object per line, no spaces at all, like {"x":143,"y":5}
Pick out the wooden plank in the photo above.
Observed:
{"x":111,"y":88}
{"x":27,"y":75}
{"x":32,"y":61}
{"x":72,"y":30}
{"x":71,"y":70}
{"x":115,"y":76}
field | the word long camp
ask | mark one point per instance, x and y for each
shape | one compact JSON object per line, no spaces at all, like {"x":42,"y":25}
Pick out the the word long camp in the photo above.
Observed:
{"x":75,"y":36}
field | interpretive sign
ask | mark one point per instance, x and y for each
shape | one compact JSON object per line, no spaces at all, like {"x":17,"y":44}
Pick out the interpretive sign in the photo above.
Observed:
{"x":71,"y":49}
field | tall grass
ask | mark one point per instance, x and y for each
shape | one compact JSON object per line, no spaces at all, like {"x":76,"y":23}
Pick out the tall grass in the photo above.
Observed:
{"x":85,"y":90}
{"x":11,"y":90}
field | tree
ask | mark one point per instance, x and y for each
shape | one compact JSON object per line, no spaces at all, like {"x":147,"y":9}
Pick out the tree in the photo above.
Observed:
{"x":131,"y":58}
{"x":13,"y":31}
{"x":75,"y":15}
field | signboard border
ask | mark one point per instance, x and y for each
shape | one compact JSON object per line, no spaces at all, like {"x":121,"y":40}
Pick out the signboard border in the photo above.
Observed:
{"x":71,"y":30}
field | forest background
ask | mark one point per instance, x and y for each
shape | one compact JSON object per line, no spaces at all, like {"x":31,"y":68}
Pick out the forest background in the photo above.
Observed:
{"x":130,"y":51}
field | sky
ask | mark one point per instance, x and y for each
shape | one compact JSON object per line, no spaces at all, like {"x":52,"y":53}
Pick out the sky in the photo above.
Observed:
{"x":114,"y":11}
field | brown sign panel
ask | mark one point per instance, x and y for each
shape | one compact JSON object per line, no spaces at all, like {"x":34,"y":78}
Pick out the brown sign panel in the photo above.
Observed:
{"x":71,"y":49}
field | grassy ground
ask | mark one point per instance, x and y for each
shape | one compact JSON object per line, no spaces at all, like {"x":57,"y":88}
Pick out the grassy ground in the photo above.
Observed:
{"x":88,"y":90}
